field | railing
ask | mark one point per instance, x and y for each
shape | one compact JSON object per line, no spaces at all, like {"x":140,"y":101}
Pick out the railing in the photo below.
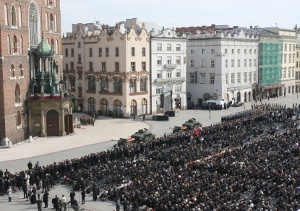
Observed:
{"x":170,"y":66}
{"x":163,"y":80}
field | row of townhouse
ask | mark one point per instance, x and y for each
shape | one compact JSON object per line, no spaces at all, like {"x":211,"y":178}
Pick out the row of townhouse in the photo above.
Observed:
{"x":240,"y":64}
{"x":126,"y":69}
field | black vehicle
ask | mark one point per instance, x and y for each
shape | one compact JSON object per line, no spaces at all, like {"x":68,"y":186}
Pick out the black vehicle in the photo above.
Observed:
{"x":237,"y":104}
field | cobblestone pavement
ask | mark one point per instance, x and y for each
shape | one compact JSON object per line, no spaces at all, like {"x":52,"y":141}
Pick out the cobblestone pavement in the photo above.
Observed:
{"x":90,"y":139}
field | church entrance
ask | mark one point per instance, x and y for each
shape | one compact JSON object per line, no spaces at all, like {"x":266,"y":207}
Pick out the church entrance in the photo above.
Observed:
{"x":52,"y":120}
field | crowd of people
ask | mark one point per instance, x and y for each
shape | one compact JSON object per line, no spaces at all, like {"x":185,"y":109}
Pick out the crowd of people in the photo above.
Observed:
{"x":237,"y":164}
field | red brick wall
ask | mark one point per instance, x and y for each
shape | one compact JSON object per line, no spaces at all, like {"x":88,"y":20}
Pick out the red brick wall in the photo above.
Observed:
{"x":8,"y":109}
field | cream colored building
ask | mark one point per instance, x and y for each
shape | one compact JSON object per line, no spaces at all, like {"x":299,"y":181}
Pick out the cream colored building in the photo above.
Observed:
{"x":289,"y":41}
{"x":107,"y":69}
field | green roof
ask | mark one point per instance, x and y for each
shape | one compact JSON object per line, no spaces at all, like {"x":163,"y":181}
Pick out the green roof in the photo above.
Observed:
{"x":44,"y":48}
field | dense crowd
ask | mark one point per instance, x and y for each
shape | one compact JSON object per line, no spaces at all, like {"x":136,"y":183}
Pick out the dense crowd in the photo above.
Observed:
{"x":248,"y":162}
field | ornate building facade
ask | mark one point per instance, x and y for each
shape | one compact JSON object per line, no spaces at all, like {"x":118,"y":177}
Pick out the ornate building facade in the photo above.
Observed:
{"x":107,"y":69}
{"x":23,"y":25}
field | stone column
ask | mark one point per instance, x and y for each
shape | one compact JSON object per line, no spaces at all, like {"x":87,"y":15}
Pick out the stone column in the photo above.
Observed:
{"x":43,"y":124}
{"x":62,"y":122}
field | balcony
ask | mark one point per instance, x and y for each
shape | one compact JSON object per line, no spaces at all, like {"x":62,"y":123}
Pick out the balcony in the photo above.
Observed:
{"x":170,"y":66}
{"x":165,"y":80}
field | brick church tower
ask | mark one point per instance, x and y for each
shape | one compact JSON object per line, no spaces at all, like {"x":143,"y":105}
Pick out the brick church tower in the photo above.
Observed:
{"x":23,"y":26}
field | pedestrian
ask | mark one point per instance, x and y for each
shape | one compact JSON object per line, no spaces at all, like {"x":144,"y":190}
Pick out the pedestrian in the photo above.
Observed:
{"x":64,"y":202}
{"x":9,"y":193}
{"x":45,"y":198}
{"x":55,"y":203}
{"x":29,"y":165}
{"x":39,"y":203}
{"x":25,"y":190}
{"x":143,"y":117}
{"x":118,"y":204}
{"x":83,"y":196}
{"x":72,"y":195}
{"x":37,"y":165}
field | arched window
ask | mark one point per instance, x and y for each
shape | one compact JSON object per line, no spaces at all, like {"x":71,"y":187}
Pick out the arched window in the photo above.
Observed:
{"x":104,"y":106}
{"x":21,"y":45}
{"x":91,"y":104}
{"x":13,"y":16}
{"x":51,"y":23}
{"x":8,"y":44}
{"x":15,"y":45}
{"x":12,"y":71}
{"x":52,"y":43}
{"x":17,"y":94}
{"x":117,"y":106}
{"x":56,"y":46}
{"x":33,"y":24}
{"x":21,"y":70}
{"x":47,"y":28}
{"x":144,"y":106}
{"x":5,"y":15}
{"x":55,"y":23}
{"x":133,"y":107}
{"x":79,"y":92}
{"x":20,"y":16}
{"x":19,"y":119}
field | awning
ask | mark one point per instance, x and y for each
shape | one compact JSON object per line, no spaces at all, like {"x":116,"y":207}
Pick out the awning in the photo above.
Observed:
{"x":274,"y":86}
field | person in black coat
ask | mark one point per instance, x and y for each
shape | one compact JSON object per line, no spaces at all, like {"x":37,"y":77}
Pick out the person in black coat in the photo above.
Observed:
{"x":55,"y":203}
{"x":29,"y":165}
{"x":45,"y":198}
{"x":39,"y":203}
{"x":83,"y":196}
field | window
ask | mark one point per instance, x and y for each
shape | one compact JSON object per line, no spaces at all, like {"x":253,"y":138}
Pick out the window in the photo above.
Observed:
{"x":72,"y":52}
{"x":159,"y":47}
{"x":19,"y":120}
{"x":239,"y":63}
{"x":159,"y":73}
{"x":33,"y":24}
{"x":250,"y":77}
{"x":245,"y":51}
{"x":212,"y":63}
{"x":232,"y":62}
{"x":21,"y":45}
{"x":67,"y":66}
{"x":91,"y":104}
{"x":91,"y":66}
{"x":238,"y":78}
{"x":254,"y":51}
{"x":192,"y":51}
{"x":294,"y":47}
{"x":66,"y":52}
{"x":132,"y":66}
{"x":132,"y":85}
{"x":21,"y":71}
{"x":106,"y":52}
{"x":192,"y":63}
{"x":117,"y":66}
{"x":202,"y":51}
{"x":232,"y":51}
{"x":15,"y":45}
{"x":91,"y":84}
{"x":17,"y":94}
{"x":212,"y":78}
{"x":90,"y":52}
{"x":289,"y":73}
{"x":290,"y":58}
{"x":245,"y":77}
{"x":202,"y":78}
{"x":143,"y":84}
{"x":254,"y":76}
{"x":202,"y":63}
{"x":232,"y":78}
{"x":72,"y":65}
{"x":178,"y":60}
{"x":254,"y":62}
{"x":284,"y":74}
{"x":226,"y":51}
{"x":178,"y":73}
{"x":12,"y":71}
{"x":132,"y":51}
{"x":192,"y":77}
{"x":100,"y":52}
{"x":13,"y":16}
{"x":79,"y":59}
{"x":79,"y":44}
{"x":238,"y":51}
{"x":169,"y":47}
{"x":290,"y":47}
{"x":143,"y":51}
{"x":285,"y":47}
{"x":245,"y":62}
{"x":80,"y":75}
{"x":250,"y":51}
{"x":5,"y":15}
{"x":103,"y":66}
{"x":284,"y":58}
{"x":178,"y":88}
{"x":117,"y":106}
{"x":169,"y":60}
{"x":117,"y":85}
{"x":143,"y":66}
{"x":159,"y":58}
{"x":226,"y":62}
{"x":178,"y":47}
{"x":169,"y":75}
{"x":250,"y":62}
{"x":104,"y":84}
{"x":159,"y":90}
{"x":20,"y":16}
{"x":212,"y":51}
{"x":226,"y":78}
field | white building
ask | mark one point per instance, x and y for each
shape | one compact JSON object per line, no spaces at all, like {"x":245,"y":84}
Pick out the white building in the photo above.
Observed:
{"x":222,"y":64}
{"x":168,"y":65}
